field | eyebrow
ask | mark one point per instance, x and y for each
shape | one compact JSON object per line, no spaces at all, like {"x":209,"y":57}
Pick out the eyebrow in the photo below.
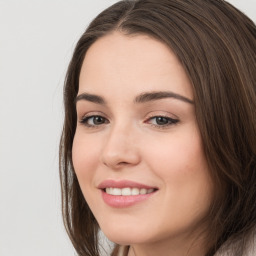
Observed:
{"x":90,"y":97}
{"x":141,"y":98}
{"x":151,"y":96}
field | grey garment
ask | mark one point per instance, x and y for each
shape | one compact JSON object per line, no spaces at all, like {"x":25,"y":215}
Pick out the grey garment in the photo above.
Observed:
{"x":231,"y":248}
{"x":226,"y":250}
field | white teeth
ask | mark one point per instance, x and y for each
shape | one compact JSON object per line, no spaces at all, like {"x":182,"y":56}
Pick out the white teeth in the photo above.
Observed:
{"x":135,"y":191}
{"x":128,"y":191}
{"x":143,"y":191}
{"x":116,"y":191}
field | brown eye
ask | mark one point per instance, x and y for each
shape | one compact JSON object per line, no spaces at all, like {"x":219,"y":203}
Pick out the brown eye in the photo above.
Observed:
{"x":97,"y":120}
{"x":94,"y":121}
{"x":162,"y":121}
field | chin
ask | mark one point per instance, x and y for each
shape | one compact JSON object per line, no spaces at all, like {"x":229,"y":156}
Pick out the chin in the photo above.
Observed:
{"x":125,"y":236}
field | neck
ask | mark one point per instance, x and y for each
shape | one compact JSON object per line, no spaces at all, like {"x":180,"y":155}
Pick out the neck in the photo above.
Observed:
{"x":176,"y":247}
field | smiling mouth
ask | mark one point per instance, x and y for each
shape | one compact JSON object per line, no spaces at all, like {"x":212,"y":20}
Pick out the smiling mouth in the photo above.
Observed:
{"x":125,"y":193}
{"x":128,"y":191}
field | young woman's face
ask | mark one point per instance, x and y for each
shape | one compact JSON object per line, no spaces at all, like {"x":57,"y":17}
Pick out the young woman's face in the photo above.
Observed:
{"x":137,"y":150}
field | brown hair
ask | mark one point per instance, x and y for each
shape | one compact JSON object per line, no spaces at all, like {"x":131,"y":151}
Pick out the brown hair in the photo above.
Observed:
{"x":216,"y":45}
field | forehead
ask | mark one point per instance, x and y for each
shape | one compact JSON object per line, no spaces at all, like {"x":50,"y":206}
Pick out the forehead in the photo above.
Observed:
{"x":138,"y":62}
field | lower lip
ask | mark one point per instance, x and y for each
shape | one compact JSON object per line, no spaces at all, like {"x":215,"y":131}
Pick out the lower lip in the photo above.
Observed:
{"x":123,"y":201}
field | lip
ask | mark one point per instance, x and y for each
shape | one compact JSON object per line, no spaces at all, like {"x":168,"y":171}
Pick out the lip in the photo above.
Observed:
{"x":124,"y":201}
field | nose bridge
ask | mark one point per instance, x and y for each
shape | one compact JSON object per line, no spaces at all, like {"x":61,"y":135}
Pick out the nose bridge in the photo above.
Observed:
{"x":120,"y":147}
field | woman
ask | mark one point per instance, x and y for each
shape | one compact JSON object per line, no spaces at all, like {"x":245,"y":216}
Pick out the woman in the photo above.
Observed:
{"x":158,"y":148}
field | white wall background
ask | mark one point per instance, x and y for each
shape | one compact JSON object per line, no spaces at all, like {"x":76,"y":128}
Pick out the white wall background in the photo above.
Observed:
{"x":36,"y":42}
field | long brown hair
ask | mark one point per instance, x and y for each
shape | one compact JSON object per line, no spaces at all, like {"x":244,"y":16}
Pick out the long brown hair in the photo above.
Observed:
{"x":216,"y":45}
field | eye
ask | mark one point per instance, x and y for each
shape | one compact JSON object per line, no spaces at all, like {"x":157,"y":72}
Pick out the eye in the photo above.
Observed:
{"x":162,"y":121}
{"x":91,"y":121}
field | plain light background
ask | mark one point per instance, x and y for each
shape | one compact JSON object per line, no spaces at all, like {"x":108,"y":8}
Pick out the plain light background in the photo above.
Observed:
{"x":36,"y":42}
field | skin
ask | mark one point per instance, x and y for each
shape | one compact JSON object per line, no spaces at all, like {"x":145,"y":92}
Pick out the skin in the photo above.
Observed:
{"x":128,"y":143}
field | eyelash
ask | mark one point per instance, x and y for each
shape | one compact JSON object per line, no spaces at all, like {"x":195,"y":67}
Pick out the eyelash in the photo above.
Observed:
{"x":85,"y":120}
{"x":169,"y":121}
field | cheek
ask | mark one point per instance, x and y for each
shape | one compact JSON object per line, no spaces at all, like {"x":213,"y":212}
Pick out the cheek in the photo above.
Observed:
{"x":180,"y":163}
{"x":85,"y":155}
{"x":181,"y":153}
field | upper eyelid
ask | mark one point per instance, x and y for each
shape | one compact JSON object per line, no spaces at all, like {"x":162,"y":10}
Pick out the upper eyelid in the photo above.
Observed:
{"x":151,"y":114}
{"x":91,"y":116}
{"x":92,"y":113}
{"x":82,"y":120}
{"x":157,"y":113}
{"x":164,"y":116}
{"x":147,"y":115}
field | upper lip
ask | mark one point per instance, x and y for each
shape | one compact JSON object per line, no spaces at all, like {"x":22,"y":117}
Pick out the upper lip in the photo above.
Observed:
{"x":123,"y":184}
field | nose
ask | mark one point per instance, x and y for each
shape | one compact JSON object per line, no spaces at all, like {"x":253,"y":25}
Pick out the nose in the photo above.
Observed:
{"x":120,"y":149}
